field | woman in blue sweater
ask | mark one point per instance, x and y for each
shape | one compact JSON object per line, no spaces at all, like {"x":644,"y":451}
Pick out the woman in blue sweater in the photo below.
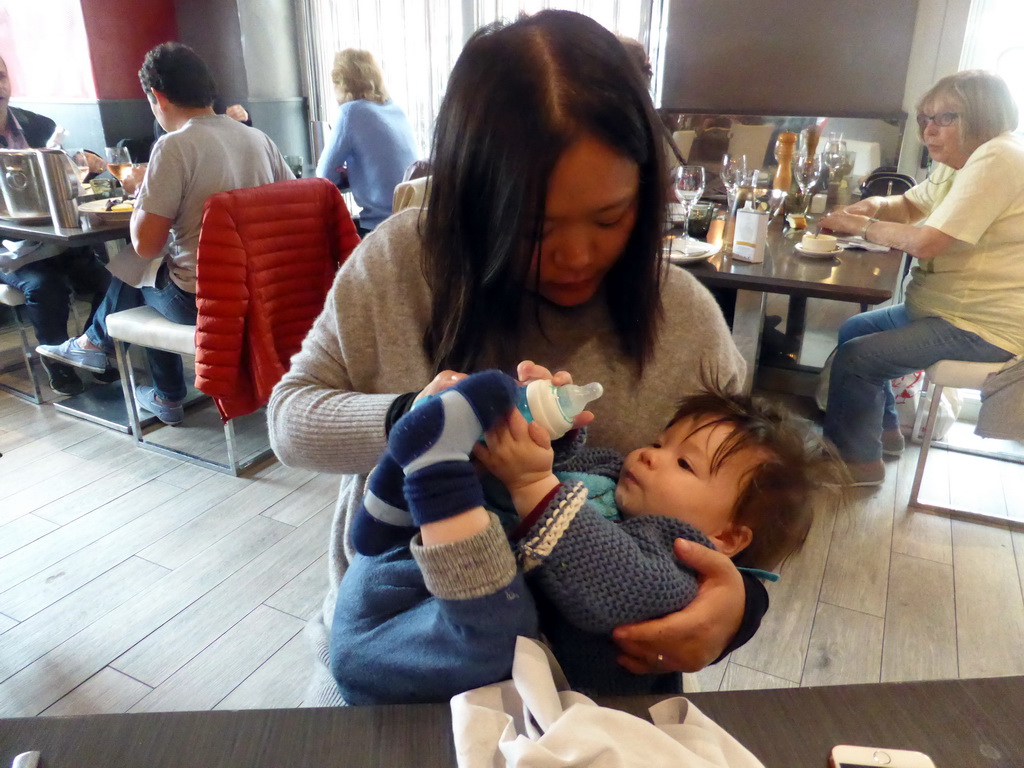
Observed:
{"x":371,"y":143}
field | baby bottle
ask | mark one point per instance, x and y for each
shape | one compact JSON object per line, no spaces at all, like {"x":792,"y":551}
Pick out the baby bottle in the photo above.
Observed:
{"x":553,"y":407}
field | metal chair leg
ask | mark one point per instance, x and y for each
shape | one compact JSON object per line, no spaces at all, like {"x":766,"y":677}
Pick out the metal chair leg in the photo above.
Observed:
{"x":926,"y":441}
{"x":27,"y":354}
{"x":229,"y":438}
{"x":124,"y":363}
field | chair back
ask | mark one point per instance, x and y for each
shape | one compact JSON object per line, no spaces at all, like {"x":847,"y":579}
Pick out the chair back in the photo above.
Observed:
{"x":267,"y":258}
{"x":417,"y":170}
{"x":752,"y":141}
{"x":411,"y":194}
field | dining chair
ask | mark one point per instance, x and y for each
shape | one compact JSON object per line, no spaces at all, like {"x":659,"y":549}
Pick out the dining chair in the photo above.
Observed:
{"x":267,"y":258}
{"x":750,"y":140}
{"x":684,"y":141}
{"x":411,"y":194}
{"x":15,"y":299}
{"x":961,"y":375}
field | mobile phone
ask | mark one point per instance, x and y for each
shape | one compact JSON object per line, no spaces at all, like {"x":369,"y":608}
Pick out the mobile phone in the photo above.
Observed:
{"x":846,"y":756}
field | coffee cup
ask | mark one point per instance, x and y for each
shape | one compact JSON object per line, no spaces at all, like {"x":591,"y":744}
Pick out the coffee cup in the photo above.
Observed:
{"x":818,"y":243}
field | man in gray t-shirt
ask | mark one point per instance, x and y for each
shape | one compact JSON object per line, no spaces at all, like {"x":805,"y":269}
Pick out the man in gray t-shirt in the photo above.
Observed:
{"x":203,"y":153}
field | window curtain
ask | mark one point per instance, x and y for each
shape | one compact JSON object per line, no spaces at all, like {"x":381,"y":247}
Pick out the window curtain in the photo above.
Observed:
{"x":416,"y":43}
{"x":993,"y":42}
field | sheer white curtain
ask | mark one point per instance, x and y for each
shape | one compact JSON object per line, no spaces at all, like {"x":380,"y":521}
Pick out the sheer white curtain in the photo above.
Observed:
{"x":416,"y":43}
{"x":993,"y":41}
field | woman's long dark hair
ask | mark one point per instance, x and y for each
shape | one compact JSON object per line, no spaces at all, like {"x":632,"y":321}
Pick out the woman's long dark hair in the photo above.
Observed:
{"x":518,"y":96}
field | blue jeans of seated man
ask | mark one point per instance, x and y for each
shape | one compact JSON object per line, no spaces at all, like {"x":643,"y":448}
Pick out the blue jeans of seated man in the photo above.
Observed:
{"x":47,"y":285}
{"x":876,"y":347}
{"x":170,"y":301}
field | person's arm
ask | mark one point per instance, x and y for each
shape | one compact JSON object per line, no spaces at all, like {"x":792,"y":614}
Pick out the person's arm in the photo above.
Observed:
{"x":97,"y":165}
{"x":713,"y":624}
{"x":338,"y":146}
{"x":960,"y":205}
{"x":317,"y":418}
{"x":149,"y":233}
{"x":890,"y":221}
{"x":894,"y":208}
{"x":238,"y":112}
{"x":328,"y":411}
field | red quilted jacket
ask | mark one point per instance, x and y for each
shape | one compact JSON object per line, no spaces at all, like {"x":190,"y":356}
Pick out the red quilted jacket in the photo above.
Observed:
{"x":267,"y":257}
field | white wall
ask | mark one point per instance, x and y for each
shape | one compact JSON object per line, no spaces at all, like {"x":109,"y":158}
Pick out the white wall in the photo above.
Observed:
{"x":934,"y":53}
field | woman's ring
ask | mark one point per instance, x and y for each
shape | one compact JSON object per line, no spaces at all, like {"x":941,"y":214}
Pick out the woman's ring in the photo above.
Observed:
{"x":661,"y":660}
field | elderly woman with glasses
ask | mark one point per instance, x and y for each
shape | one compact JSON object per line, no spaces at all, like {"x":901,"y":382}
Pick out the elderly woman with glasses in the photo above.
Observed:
{"x":965,"y":226}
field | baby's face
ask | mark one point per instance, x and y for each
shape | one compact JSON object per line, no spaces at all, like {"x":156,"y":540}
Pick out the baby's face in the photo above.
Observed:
{"x":673,"y":477}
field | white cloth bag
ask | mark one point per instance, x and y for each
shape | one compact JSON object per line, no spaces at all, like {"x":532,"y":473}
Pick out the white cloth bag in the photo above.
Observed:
{"x":535,"y":721}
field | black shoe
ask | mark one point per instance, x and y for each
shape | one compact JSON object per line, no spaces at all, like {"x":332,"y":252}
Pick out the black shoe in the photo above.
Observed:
{"x":63,"y":379}
{"x":108,"y":376}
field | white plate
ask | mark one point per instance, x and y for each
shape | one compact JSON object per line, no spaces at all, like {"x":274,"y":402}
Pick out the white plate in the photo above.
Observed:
{"x":676,"y":256}
{"x":819,"y":254}
{"x":98,"y":208}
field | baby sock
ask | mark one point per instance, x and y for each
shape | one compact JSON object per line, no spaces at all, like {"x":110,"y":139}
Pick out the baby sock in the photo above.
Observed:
{"x":433,"y":443}
{"x":382,"y":520}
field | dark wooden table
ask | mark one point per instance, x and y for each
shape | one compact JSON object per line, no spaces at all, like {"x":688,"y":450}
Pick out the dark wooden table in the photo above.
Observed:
{"x":960,"y":723}
{"x":102,"y":404}
{"x":861,"y":277}
{"x":93,"y":233}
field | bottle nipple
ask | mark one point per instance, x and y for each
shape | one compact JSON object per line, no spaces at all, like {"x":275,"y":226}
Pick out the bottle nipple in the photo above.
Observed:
{"x":572,"y":399}
{"x":554,"y":408}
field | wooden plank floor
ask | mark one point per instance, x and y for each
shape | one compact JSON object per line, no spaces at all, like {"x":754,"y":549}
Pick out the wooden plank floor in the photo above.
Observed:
{"x":131,"y":582}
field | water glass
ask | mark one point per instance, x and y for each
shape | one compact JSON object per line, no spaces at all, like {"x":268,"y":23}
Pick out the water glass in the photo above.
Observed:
{"x":807,"y":170}
{"x":688,"y":184}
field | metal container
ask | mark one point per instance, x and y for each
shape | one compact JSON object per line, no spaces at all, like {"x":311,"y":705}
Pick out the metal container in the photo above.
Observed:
{"x":61,"y":183}
{"x":39,"y":184}
{"x":22,"y":186}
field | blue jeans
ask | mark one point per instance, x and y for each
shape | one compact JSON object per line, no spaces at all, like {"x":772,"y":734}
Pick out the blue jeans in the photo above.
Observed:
{"x":47,"y":285}
{"x":170,"y":301}
{"x":876,"y":347}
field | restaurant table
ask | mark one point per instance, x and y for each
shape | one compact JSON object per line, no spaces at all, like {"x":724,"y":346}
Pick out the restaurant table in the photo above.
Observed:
{"x":45,"y":232}
{"x":101,"y":404}
{"x":862,"y":277}
{"x":959,"y":723}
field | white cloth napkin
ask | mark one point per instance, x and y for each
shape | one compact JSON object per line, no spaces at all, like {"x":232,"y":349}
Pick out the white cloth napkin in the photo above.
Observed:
{"x":17,"y":253}
{"x":132,"y":269}
{"x":858,"y":242}
{"x":535,"y":721}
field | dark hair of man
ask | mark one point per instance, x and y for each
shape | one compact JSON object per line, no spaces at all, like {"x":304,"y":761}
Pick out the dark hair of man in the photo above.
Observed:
{"x":780,"y":493}
{"x":517,"y":97}
{"x":180,"y":74}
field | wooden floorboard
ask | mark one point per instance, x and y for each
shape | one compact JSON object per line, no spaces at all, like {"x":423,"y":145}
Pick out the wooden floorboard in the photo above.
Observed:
{"x":134,"y":582}
{"x":920,"y":623}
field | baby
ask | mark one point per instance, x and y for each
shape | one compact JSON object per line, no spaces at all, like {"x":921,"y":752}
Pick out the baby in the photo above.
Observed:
{"x":421,"y":618}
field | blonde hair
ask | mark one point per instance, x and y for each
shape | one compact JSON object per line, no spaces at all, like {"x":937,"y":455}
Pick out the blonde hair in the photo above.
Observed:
{"x":356,"y":76}
{"x":985,"y":105}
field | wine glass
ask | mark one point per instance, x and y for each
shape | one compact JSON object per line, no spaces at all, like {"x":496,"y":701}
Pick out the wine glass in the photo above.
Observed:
{"x":807,"y":172}
{"x":733,"y":171}
{"x":833,"y":154}
{"x":119,"y":162}
{"x":688,"y":185}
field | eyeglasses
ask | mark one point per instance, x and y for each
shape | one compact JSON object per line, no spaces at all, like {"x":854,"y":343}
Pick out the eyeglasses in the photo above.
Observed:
{"x":942,"y":119}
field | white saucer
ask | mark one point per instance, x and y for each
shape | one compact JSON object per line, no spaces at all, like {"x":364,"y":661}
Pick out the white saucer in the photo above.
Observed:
{"x":676,"y":256}
{"x":819,"y":254}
